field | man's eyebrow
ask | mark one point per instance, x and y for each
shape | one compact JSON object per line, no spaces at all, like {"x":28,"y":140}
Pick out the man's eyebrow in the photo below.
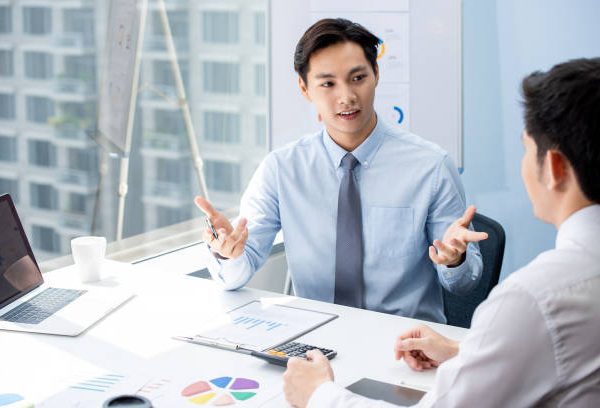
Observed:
{"x":324,"y":75}
{"x":354,"y":70}
{"x":357,"y":69}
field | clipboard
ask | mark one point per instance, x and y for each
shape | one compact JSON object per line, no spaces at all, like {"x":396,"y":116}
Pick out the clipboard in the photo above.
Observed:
{"x":257,"y":326}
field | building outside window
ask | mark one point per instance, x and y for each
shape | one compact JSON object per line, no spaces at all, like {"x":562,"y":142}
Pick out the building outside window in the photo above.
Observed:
{"x":7,"y":106}
{"x":45,"y":239}
{"x":45,"y":123}
{"x":11,"y":187}
{"x":37,"y":20}
{"x":38,"y":65}
{"x":221,"y":77}
{"x":222,"y":127}
{"x":43,"y":196}
{"x":6,"y":63}
{"x":220,"y":27}
{"x":8,"y":149}
{"x":42,"y":153}
{"x":39,"y":109}
{"x":222,"y":176}
{"x":5,"y":19}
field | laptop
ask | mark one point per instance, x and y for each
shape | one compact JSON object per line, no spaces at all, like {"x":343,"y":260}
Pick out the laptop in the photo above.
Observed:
{"x":30,"y":305}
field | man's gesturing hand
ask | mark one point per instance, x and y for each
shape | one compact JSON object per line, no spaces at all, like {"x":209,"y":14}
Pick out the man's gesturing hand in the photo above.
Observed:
{"x":231,"y":242}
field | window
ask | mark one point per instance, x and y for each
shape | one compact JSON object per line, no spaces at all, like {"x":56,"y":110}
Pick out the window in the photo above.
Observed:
{"x":80,"y":22}
{"x":42,"y":153}
{"x":167,"y":215}
{"x":5,"y":20}
{"x":39,"y":109}
{"x":222,"y":127}
{"x":170,"y":122}
{"x":77,"y":203}
{"x":220,"y":27}
{"x":7,"y":106}
{"x":172,"y":171}
{"x":260,"y":130}
{"x":11,"y":187}
{"x":38,"y":65}
{"x":162,"y":74}
{"x":37,"y":20}
{"x":222,"y":176}
{"x":221,"y":77}
{"x":43,"y":196}
{"x":8,"y":149}
{"x":259,"y":80}
{"x":82,"y":160}
{"x":45,"y":239}
{"x":260,"y":28}
{"x":178,"y":22}
{"x":6,"y":63}
{"x":80,"y":67}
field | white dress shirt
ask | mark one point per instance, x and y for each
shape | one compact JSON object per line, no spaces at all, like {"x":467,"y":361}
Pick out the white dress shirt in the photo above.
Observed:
{"x":534,"y":342}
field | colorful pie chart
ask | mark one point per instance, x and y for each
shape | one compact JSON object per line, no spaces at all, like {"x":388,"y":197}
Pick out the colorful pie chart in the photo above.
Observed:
{"x":221,"y":391}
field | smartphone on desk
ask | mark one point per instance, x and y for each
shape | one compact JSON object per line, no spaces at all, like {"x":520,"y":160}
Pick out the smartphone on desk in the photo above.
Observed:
{"x":394,"y":394}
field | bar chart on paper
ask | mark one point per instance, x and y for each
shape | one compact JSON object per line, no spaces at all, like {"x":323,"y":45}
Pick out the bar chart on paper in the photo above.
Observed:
{"x":258,"y":326}
{"x":250,"y":323}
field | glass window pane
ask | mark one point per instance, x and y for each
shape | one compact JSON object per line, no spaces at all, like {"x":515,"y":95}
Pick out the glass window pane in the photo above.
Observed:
{"x":8,"y":149}
{"x":10,"y":186}
{"x":6,"y":63}
{"x":220,"y":27}
{"x":5,"y":19}
{"x":7,"y":106}
{"x":38,"y":65}
{"x":222,"y":176}
{"x":43,"y":196}
{"x":221,"y":77}
{"x":39,"y":109}
{"x":37,"y":20}
{"x":222,"y":127}
{"x":45,"y":239}
{"x":42,"y":153}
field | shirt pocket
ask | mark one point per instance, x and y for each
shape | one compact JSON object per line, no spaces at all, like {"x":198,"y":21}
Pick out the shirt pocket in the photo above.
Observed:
{"x":389,"y":231}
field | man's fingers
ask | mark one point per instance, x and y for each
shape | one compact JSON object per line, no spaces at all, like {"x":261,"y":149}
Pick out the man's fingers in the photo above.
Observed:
{"x":467,"y":217}
{"x":315,"y":355}
{"x":458,"y":244}
{"x":445,"y":252}
{"x":410,"y":344}
{"x":205,"y":206}
{"x":474,"y":236}
{"x":433,"y":255}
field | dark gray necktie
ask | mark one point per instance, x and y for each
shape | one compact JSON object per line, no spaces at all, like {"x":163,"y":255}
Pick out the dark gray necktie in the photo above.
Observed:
{"x":349,"y":240}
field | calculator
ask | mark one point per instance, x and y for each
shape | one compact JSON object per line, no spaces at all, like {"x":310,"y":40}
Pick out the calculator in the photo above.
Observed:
{"x":279,"y":355}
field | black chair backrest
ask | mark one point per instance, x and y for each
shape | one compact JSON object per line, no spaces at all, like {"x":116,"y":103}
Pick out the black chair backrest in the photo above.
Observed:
{"x":459,"y":309}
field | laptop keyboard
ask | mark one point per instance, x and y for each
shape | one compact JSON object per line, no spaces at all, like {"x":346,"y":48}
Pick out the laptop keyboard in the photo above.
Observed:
{"x":40,"y":307}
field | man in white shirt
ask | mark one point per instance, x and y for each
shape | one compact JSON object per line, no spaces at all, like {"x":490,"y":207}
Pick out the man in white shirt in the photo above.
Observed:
{"x":536,"y":339}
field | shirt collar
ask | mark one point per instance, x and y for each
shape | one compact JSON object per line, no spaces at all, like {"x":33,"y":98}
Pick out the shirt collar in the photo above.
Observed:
{"x":364,"y":153}
{"x":575,"y":228}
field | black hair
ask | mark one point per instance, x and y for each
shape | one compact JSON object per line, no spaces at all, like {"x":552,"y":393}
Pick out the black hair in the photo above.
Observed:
{"x":330,"y":31}
{"x":562,"y":112}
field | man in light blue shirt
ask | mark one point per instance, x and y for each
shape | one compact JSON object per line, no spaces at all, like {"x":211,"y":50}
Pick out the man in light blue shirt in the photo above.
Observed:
{"x":410,"y":195}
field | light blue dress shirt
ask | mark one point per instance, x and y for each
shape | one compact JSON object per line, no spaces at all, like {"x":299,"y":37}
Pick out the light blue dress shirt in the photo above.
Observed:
{"x":410,"y":194}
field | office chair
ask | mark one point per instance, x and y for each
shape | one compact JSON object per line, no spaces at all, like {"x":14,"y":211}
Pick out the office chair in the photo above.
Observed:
{"x":459,"y":309}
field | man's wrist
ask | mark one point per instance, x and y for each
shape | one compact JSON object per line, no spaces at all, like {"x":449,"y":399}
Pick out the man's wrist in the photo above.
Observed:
{"x":462,"y":259}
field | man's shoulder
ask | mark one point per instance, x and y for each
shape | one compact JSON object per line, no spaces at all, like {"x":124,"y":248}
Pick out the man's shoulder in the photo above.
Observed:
{"x":554,"y":272}
{"x":397,"y":140}
{"x":305,"y":145}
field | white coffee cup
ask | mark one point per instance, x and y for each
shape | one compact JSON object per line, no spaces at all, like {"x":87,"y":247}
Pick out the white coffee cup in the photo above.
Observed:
{"x":88,"y":254}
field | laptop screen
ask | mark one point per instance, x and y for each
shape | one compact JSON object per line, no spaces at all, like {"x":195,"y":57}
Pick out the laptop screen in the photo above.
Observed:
{"x":19,"y":273}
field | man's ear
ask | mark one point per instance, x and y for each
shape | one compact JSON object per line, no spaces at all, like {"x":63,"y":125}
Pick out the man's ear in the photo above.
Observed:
{"x":558,"y":170}
{"x":376,"y":74}
{"x":303,"y":89}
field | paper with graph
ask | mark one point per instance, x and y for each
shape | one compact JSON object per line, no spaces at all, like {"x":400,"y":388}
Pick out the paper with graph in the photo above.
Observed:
{"x":258,"y":326}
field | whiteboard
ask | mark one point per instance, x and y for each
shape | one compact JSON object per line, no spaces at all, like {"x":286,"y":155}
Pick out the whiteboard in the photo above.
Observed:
{"x":118,"y":74}
{"x":420,"y":87}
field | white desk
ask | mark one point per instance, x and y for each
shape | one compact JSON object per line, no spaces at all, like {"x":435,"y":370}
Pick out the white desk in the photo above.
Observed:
{"x":135,"y":341}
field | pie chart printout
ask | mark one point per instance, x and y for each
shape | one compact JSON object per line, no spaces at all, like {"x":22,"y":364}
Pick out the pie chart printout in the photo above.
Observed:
{"x":221,"y":391}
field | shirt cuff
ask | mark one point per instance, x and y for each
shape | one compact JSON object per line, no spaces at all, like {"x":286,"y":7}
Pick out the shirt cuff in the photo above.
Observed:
{"x":326,"y":395}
